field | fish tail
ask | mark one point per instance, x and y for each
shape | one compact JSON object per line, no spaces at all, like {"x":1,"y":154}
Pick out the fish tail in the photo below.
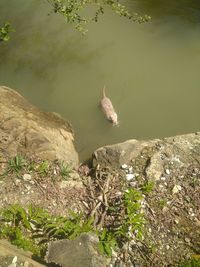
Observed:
{"x":104,"y":89}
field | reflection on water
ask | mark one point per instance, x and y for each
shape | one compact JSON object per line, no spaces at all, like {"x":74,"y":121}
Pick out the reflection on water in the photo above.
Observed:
{"x":187,"y":10}
{"x":151,"y":71}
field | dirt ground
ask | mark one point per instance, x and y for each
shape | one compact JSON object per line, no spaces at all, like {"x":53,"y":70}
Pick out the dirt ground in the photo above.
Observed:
{"x":171,"y":208}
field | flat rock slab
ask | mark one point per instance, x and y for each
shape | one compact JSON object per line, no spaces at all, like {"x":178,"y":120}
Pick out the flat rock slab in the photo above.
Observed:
{"x":26,"y":130}
{"x":80,"y":252}
{"x":14,"y":257}
{"x":154,"y":157}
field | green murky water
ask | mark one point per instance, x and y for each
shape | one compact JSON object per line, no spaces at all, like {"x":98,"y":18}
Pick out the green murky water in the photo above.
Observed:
{"x":151,"y":71}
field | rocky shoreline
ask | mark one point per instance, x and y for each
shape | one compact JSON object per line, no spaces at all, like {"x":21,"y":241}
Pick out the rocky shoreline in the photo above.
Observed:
{"x":161,"y":176}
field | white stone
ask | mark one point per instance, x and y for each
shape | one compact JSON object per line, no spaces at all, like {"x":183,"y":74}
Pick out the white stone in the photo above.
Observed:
{"x":27,"y":177}
{"x":17,"y":181}
{"x":167,"y":171}
{"x":130,"y":169}
{"x":14,"y":259}
{"x":33,"y":226}
{"x":176,"y":221}
{"x":100,"y":198}
{"x":176,"y":189}
{"x":162,"y":178}
{"x":124,"y":166}
{"x":129,"y":176}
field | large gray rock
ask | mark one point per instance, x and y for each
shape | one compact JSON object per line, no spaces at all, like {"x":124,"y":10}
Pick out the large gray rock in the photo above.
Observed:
{"x":80,"y":252}
{"x":167,"y":172}
{"x":26,"y":130}
{"x":153,"y":157}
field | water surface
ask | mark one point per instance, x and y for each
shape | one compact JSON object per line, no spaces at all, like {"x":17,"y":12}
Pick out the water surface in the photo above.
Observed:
{"x":151,"y":71}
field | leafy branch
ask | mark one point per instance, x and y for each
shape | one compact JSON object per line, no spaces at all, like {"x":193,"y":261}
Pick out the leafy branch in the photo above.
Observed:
{"x":74,"y":10}
{"x":4,"y":32}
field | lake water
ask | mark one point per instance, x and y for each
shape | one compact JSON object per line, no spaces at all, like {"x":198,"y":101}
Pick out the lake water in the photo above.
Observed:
{"x":151,"y":71}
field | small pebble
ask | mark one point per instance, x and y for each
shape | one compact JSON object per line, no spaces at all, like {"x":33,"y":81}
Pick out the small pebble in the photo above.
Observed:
{"x":162,"y":178}
{"x":176,"y":189}
{"x":28,"y":187}
{"x":27,"y":177}
{"x":133,"y":184}
{"x":167,"y":247}
{"x":129,"y":176}
{"x":17,"y":181}
{"x":100,"y":198}
{"x":167,"y":171}
{"x":124,"y":166}
{"x":187,"y":240}
{"x":165,"y":209}
{"x":130,"y":169}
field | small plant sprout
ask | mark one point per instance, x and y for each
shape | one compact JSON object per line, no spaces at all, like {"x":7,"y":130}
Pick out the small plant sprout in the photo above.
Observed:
{"x":43,"y":168}
{"x":16,"y":164}
{"x":147,"y":187}
{"x":65,"y":170}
